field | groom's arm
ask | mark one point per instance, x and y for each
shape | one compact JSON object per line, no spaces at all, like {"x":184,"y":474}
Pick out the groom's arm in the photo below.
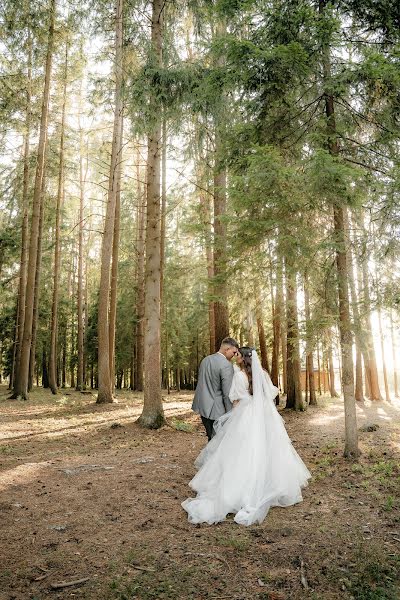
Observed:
{"x":226,"y":382}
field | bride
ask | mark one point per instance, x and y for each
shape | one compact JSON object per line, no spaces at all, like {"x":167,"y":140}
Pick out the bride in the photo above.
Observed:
{"x":250,"y":464}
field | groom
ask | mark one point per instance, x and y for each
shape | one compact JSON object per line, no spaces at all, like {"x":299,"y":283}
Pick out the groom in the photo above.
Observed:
{"x":211,"y":399}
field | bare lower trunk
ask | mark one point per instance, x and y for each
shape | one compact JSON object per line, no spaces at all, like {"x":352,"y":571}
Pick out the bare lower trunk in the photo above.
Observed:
{"x":24,"y":225}
{"x":385,"y":376}
{"x":57,"y":254}
{"x":309,"y":344}
{"x":294,"y":394}
{"x":105,"y":394}
{"x":153,"y":414}
{"x":140,"y":302}
{"x":114,"y":272}
{"x":21,"y":383}
{"x":221,"y":313}
{"x":394,"y":357}
{"x":35,"y":316}
{"x":80,"y":383}
{"x":346,"y":341}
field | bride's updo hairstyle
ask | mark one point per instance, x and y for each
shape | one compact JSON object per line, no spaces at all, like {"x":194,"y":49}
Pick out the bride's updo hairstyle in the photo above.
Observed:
{"x":246,"y":351}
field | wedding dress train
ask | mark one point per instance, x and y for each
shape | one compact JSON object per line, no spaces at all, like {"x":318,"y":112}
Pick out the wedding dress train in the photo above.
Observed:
{"x":250,"y":463}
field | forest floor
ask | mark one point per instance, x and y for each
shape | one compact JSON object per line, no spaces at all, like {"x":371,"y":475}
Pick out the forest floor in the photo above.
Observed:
{"x":86,"y":494}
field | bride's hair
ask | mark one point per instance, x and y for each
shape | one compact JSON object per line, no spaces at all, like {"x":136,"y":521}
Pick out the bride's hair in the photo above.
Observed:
{"x":246,"y":351}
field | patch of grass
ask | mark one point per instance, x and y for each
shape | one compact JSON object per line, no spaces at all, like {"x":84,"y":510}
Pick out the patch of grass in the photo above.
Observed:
{"x":357,"y":468}
{"x":6,"y":450}
{"x":160,"y":585}
{"x":375,"y":576}
{"x":238,"y":543}
{"x":388,"y":506}
{"x":180,"y":425}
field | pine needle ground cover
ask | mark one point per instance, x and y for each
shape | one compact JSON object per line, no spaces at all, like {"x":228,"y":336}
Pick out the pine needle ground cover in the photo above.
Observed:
{"x":90,"y":508}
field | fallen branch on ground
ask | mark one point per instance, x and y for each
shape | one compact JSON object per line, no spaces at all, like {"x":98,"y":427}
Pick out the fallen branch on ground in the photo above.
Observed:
{"x":64,"y":584}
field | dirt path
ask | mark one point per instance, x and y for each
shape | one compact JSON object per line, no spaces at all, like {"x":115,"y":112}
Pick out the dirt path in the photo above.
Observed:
{"x":88,"y":495}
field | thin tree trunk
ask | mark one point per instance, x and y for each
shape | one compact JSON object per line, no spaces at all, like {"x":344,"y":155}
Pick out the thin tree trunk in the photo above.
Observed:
{"x":374,"y":390}
{"x":361,"y":348}
{"x":153,"y":413}
{"x":294,"y":394}
{"x":261,"y":332}
{"x":329,"y":352}
{"x":35,"y":316}
{"x":319,"y":369}
{"x":21,"y":383}
{"x":205,"y":213}
{"x":57,"y":254}
{"x":114,"y":270}
{"x":140,"y":303}
{"x":163,"y":211}
{"x":385,"y":376}
{"x":394,"y":357}
{"x":309,"y":343}
{"x":24,"y":225}
{"x":105,"y":394}
{"x":80,"y":383}
{"x":221,"y":311}
{"x":351,"y":433}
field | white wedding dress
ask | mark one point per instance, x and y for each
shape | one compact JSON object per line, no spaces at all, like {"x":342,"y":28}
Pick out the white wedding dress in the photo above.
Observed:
{"x":250,"y":463}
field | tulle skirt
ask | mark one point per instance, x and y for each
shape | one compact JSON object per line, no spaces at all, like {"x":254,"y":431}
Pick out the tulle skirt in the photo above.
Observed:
{"x":247,"y":467}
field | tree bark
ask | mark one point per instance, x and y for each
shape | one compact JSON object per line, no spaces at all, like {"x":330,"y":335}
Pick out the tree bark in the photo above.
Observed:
{"x":21,"y":383}
{"x":24,"y":225}
{"x":394,"y":357}
{"x":374,"y":390}
{"x":35,"y":316}
{"x":294,"y":397}
{"x":140,"y":301}
{"x":80,"y":379}
{"x":114,"y":270}
{"x":309,"y":344}
{"x":105,"y":393}
{"x":346,"y":342}
{"x":385,"y":376}
{"x":153,"y":414}
{"x":57,"y":253}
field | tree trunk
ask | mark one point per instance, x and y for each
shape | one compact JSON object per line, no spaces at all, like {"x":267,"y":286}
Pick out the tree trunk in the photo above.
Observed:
{"x":221,"y":311}
{"x":153,"y":413}
{"x":276,"y":327}
{"x":105,"y":394}
{"x":163,"y":211}
{"x":394,"y":357}
{"x":351,"y":433}
{"x":114,"y":270}
{"x":45,"y":376}
{"x":24,"y":225}
{"x":385,"y":376}
{"x":35,"y":316}
{"x":294,"y":394}
{"x":205,"y":213}
{"x":140,"y":302}
{"x":329,"y":352}
{"x":374,"y":391}
{"x":309,"y":344}
{"x":57,"y":255}
{"x":261,"y":331}
{"x":80,"y":383}
{"x":21,"y":383}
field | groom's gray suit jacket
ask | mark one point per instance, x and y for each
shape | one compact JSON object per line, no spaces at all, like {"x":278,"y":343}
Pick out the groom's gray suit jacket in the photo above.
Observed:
{"x":214,"y":382}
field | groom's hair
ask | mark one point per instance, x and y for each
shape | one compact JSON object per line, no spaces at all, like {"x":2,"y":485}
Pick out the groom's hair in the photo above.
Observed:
{"x":228,"y":341}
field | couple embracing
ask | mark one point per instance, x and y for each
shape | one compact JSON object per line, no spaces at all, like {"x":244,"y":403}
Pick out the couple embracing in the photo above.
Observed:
{"x":249,"y":463}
